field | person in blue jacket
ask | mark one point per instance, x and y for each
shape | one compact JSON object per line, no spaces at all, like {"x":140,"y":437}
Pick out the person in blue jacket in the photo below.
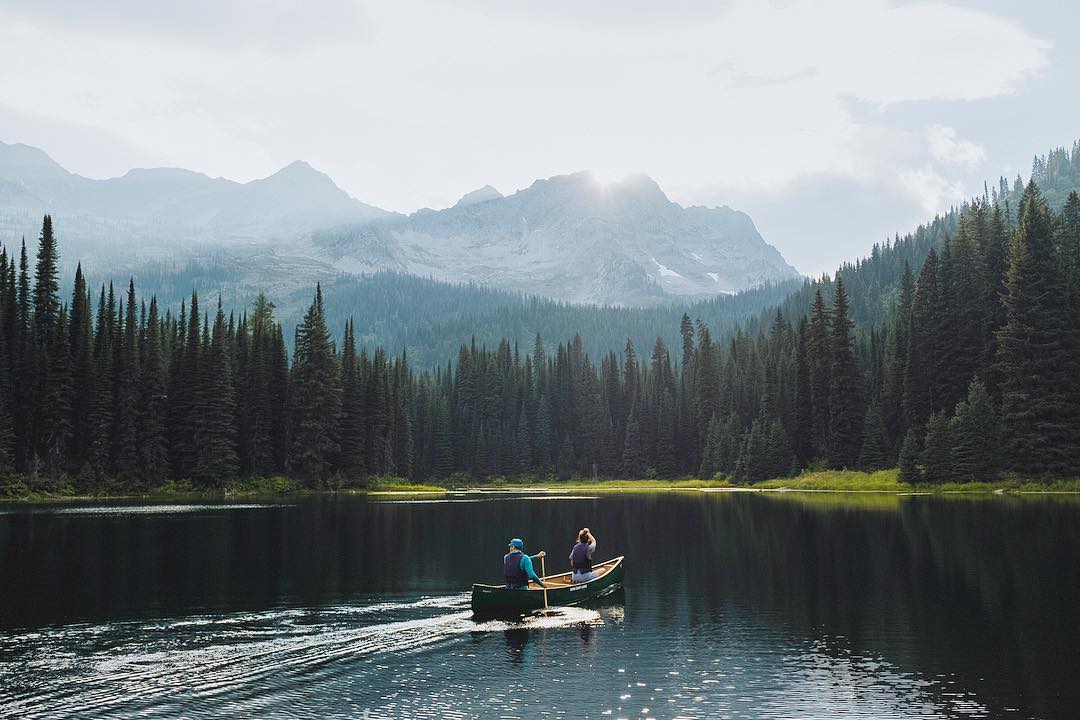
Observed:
{"x":518,"y":567}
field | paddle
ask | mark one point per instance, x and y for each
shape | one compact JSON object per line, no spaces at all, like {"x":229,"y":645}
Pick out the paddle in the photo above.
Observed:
{"x":543,"y":574}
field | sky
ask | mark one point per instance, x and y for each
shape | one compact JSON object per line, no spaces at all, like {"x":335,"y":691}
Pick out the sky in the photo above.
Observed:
{"x":833,"y":123}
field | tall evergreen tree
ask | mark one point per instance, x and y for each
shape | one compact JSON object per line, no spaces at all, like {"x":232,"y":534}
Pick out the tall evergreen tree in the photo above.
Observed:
{"x":1034,"y":363}
{"x":153,"y":457}
{"x":845,"y":389}
{"x":820,"y":358}
{"x":314,"y":398}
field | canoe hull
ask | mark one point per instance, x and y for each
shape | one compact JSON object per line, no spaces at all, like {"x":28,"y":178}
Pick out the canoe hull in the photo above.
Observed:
{"x":494,"y":600}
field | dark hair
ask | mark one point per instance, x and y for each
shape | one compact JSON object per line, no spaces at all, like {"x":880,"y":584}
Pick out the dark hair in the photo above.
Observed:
{"x":583,"y":536}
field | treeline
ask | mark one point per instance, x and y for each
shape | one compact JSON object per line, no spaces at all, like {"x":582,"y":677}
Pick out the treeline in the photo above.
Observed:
{"x":974,"y":369}
{"x":429,"y":319}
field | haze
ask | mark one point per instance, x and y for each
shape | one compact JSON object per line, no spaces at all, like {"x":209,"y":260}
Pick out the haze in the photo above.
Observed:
{"x":833,"y":124}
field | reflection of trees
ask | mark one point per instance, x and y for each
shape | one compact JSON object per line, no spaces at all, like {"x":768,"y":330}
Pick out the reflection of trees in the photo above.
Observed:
{"x":985,"y":590}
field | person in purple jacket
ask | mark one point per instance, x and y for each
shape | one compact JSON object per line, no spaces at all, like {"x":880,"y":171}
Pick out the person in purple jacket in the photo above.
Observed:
{"x":518,"y":567}
{"x":581,"y":569}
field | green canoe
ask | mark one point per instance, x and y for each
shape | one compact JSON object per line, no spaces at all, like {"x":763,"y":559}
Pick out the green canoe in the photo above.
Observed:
{"x":498,"y":599}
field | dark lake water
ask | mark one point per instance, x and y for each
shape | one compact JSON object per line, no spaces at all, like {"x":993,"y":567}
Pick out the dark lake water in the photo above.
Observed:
{"x":735,"y":605}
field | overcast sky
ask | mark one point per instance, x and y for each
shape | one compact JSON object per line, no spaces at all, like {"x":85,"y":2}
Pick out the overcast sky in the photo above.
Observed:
{"x":833,"y":123}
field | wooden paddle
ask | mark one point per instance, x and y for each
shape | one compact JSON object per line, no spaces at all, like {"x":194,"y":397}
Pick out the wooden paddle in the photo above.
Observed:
{"x":543,"y":576}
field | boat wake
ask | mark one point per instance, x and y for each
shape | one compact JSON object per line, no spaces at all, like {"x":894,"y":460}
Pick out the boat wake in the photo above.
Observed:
{"x":236,"y":661}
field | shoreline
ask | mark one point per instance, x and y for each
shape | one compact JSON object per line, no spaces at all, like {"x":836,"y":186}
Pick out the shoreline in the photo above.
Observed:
{"x":854,"y":483}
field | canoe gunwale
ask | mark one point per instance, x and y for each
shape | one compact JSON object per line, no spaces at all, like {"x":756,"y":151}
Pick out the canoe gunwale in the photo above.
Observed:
{"x":611,"y":565}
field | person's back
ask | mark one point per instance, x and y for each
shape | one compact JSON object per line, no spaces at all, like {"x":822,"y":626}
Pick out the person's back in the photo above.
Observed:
{"x":518,"y":568}
{"x":512,"y":573}
{"x":581,"y":569}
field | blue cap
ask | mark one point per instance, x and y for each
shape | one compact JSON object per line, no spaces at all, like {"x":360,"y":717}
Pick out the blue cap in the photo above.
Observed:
{"x":518,"y":543}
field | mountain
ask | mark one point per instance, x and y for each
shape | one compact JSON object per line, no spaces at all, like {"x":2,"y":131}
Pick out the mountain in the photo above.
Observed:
{"x":572,"y":238}
{"x":478,"y":196}
{"x":166,"y":211}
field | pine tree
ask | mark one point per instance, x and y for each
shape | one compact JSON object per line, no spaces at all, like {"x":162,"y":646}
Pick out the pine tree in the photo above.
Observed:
{"x":909,"y":459}
{"x":753,"y":463}
{"x":873,"y":456}
{"x":153,"y":457}
{"x":820,"y":358}
{"x":845,"y":389}
{"x":937,"y":449}
{"x":1034,"y":362}
{"x":633,"y":464}
{"x":125,"y":394}
{"x":215,"y":436}
{"x":922,"y":349}
{"x":81,"y":343}
{"x":976,"y":437}
{"x":315,"y":398}
{"x":23,"y":370}
{"x":351,"y":432}
{"x":803,"y":440}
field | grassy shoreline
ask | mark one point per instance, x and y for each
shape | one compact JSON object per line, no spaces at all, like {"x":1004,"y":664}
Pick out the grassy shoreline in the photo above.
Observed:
{"x":826,"y":481}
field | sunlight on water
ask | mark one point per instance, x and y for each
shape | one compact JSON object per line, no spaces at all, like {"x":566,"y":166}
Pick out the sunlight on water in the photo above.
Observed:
{"x":343,"y":660}
{"x":202,"y":664}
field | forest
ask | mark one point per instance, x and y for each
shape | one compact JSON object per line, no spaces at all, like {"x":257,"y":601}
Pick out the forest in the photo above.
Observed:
{"x":953,"y":353}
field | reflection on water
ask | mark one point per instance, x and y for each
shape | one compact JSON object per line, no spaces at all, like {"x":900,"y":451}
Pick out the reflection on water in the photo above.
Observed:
{"x":735,"y":606}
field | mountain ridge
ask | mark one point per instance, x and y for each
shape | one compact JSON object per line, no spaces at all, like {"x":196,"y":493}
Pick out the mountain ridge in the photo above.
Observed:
{"x":569,"y":237}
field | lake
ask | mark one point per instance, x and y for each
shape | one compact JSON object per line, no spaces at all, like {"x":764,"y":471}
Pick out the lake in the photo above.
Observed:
{"x":735,"y":605}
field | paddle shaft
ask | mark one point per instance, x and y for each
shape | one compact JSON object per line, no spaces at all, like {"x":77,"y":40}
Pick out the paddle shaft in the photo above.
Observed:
{"x":543,"y":573}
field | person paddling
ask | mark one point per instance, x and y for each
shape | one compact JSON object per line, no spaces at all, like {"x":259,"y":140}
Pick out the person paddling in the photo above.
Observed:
{"x":518,"y":567}
{"x":581,"y":557}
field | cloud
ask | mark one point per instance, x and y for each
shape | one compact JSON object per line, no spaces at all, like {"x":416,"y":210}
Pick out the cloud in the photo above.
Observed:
{"x":282,"y":25}
{"x":934,"y":192}
{"x":946,"y":148}
{"x":413,"y":102}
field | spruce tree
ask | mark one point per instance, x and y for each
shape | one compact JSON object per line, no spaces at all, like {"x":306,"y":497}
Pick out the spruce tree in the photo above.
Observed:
{"x":845,"y":389}
{"x":937,"y":451}
{"x":976,"y":437}
{"x":922,"y":346}
{"x":153,"y":457}
{"x":351,"y":432}
{"x":820,"y":358}
{"x":315,"y":399}
{"x":909,"y":459}
{"x":633,"y":464}
{"x":1034,"y":362}
{"x":81,"y":343}
{"x":873,"y":455}
{"x":215,"y":435}
{"x":803,"y":440}
{"x":125,"y":394}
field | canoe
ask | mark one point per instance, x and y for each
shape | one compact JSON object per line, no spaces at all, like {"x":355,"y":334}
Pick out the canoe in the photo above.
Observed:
{"x":496,"y":599}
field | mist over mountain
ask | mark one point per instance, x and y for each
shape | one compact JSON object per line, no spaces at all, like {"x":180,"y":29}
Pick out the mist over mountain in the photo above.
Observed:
{"x":570,"y":237}
{"x":166,"y":212}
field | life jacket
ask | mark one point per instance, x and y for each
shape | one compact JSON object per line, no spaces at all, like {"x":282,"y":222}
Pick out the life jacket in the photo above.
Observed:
{"x":579,"y":558}
{"x":512,"y":573}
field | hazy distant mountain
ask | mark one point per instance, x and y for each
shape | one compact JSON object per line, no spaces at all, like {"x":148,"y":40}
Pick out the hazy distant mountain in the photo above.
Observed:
{"x":569,"y":237}
{"x":167,"y":211}
{"x":572,"y":238}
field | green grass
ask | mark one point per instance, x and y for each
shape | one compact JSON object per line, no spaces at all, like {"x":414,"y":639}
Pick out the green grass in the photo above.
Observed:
{"x":403,"y":488}
{"x":841,"y":480}
{"x":882,"y":482}
{"x":599,"y":485}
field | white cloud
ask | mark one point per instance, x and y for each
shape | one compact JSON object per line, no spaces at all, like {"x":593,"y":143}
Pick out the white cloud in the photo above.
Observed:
{"x":933,"y":192}
{"x":413,"y":102}
{"x":946,"y":148}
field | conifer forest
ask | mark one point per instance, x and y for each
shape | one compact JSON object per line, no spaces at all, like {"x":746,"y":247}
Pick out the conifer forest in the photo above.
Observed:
{"x":968,"y":369}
